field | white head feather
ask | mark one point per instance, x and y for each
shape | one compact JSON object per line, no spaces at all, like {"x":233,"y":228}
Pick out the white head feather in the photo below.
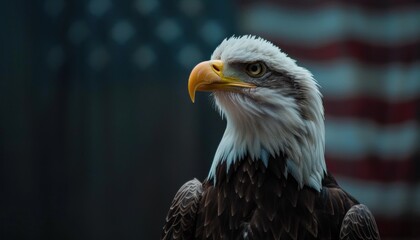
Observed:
{"x":266,"y":121}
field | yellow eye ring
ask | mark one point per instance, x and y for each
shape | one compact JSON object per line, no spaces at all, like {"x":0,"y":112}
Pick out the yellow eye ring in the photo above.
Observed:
{"x":256,"y":69}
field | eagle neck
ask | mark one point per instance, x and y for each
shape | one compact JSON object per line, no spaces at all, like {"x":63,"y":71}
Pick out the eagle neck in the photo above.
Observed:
{"x":265,"y":133}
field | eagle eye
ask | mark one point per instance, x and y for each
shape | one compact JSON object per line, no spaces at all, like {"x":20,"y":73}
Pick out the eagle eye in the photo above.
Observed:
{"x":256,"y":69}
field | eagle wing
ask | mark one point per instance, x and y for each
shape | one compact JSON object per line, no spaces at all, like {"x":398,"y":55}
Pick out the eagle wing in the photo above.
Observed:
{"x":180,"y":221}
{"x":359,"y":223}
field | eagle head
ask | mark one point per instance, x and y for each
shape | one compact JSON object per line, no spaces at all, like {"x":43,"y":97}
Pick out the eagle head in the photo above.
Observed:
{"x":272,"y":106}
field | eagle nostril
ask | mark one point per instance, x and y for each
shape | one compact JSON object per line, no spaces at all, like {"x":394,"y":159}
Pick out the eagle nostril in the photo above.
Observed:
{"x":216,"y":68}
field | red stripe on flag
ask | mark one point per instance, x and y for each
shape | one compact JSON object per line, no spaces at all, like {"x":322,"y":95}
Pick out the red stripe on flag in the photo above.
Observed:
{"x":372,"y":168}
{"x":373,"y":109}
{"x":403,"y":227}
{"x":356,"y":49}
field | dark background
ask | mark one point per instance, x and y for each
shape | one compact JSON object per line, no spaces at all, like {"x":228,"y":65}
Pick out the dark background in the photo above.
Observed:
{"x":97,"y":131}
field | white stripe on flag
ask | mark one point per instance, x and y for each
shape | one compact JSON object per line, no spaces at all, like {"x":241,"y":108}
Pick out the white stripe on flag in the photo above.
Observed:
{"x":331,"y":23}
{"x":343,"y":78}
{"x":357,"y":138}
{"x":385,"y":199}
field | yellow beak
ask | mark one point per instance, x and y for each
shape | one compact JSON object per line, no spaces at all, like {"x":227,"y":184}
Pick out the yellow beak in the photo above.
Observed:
{"x":208,"y":76}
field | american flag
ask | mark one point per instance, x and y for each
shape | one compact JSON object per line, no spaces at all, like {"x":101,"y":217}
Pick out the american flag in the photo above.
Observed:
{"x":97,"y":131}
{"x":365,"y":55}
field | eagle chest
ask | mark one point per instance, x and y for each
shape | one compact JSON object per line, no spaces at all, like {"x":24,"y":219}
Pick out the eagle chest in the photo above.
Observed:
{"x":254,"y":201}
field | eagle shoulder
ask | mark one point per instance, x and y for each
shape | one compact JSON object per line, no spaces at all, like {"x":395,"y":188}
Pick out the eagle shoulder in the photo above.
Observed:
{"x":181,"y":218}
{"x":359,"y":224}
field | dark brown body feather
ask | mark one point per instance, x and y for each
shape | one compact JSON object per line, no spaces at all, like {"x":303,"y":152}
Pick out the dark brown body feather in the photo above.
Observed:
{"x":252,"y":201}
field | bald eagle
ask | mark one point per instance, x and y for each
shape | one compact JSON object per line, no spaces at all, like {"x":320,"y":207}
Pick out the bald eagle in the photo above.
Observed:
{"x":268,"y":179}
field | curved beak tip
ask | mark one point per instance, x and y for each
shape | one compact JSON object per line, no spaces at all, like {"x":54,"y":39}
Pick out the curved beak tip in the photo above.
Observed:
{"x":192,"y":89}
{"x":192,"y":96}
{"x":199,"y":76}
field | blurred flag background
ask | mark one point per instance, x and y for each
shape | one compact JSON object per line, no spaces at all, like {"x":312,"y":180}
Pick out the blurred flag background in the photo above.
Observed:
{"x":97,"y":131}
